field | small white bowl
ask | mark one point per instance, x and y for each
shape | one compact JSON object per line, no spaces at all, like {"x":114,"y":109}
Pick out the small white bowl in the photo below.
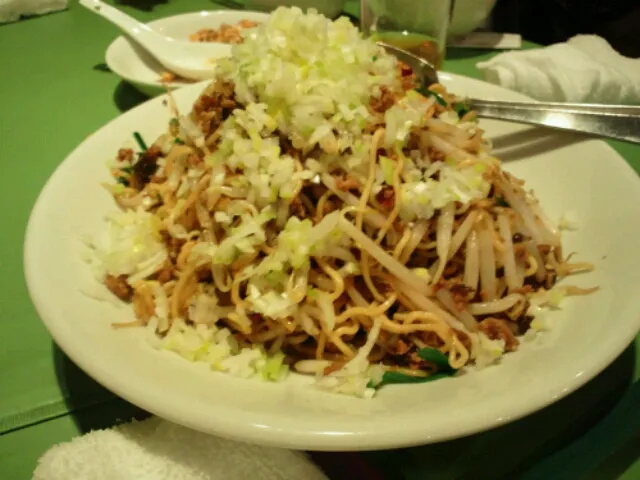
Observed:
{"x":131,"y":62}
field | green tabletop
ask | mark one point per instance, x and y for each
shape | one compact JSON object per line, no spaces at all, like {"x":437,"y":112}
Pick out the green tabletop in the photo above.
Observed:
{"x":54,"y":91}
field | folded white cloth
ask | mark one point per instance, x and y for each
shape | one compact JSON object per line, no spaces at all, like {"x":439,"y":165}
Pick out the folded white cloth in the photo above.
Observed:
{"x":156,"y":449}
{"x":12,"y":10}
{"x":585,"y":69}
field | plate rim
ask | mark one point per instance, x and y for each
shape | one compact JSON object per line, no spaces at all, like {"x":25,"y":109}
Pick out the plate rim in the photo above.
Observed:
{"x":300,"y":438}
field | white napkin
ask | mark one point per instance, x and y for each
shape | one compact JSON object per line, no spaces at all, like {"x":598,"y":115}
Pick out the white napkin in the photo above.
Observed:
{"x":156,"y":449}
{"x":585,"y":69}
{"x":12,"y":10}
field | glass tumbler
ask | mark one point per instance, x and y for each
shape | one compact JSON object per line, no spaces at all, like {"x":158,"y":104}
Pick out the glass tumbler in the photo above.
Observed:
{"x":419,"y":26}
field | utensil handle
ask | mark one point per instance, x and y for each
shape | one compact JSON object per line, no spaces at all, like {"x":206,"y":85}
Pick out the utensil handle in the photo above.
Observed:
{"x":124,"y":22}
{"x":613,"y":121}
{"x":425,"y":72}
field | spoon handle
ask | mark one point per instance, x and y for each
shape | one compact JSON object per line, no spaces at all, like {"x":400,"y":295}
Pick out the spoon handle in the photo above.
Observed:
{"x":613,"y":121}
{"x":124,"y":22}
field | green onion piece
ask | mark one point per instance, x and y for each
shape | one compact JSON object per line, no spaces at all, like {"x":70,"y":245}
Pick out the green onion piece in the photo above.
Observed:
{"x":461,"y":109}
{"x":436,"y":357}
{"x":141,"y":144}
{"x":432,"y":355}
{"x":127,"y":169}
{"x":273,"y":368}
{"x":501,"y":202}
{"x":439,"y":99}
{"x":178,"y":141}
{"x":174,"y":122}
{"x":122,"y":181}
{"x":391,"y":378}
{"x":388,"y":166}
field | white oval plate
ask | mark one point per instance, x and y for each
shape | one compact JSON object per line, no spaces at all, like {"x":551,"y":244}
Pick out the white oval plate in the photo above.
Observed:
{"x":570,"y":174}
{"x":132,"y":63}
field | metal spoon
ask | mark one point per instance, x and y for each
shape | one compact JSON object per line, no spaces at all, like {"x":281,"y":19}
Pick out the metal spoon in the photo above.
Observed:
{"x":192,"y":60}
{"x":611,"y":121}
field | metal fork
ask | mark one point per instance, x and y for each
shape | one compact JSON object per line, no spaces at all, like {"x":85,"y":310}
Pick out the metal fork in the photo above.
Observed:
{"x":621,"y":122}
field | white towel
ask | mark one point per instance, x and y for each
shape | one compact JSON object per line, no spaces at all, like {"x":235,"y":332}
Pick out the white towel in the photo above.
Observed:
{"x":12,"y":10}
{"x":156,"y":449}
{"x":585,"y":69}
